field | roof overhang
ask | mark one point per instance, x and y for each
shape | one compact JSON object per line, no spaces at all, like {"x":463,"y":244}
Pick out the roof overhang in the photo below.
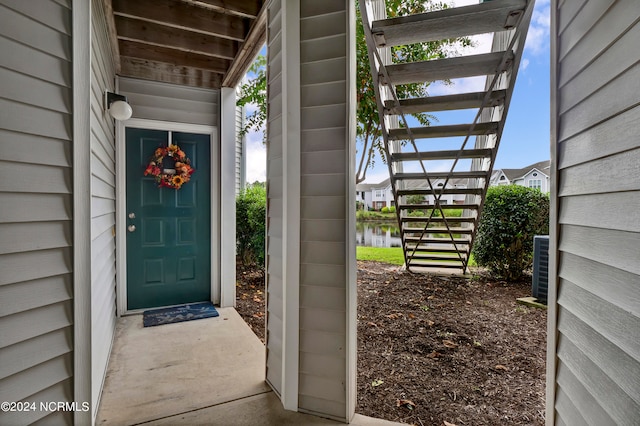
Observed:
{"x":199,"y":43}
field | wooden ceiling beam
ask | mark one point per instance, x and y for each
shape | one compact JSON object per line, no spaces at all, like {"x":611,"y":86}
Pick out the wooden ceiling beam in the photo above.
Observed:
{"x":255,"y":39}
{"x":178,"y":14}
{"x":173,"y":57}
{"x":111,"y":33}
{"x":175,"y":38}
{"x":242,"y":8}
{"x":167,"y":73}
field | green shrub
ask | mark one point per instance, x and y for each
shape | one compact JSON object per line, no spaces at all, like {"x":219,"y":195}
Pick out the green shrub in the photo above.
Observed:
{"x":416,"y":199}
{"x":392,"y":209}
{"x":385,"y":209}
{"x":251,"y":205}
{"x":511,"y":217}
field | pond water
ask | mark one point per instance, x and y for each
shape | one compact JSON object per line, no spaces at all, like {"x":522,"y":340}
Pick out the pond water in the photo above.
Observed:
{"x":370,"y":234}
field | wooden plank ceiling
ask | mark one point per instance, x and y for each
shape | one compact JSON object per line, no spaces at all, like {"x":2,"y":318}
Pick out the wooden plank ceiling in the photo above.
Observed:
{"x":200,"y":43}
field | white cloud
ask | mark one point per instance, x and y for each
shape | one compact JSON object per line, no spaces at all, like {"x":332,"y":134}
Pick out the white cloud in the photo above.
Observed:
{"x":524,"y":64}
{"x":250,"y":108}
{"x":430,"y":166}
{"x":538,"y":36}
{"x":460,"y":85}
{"x":256,"y":158}
{"x":376,"y":177}
{"x":458,"y":3}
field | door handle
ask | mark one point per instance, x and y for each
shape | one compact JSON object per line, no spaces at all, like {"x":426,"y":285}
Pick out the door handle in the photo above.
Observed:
{"x":132,"y":215}
{"x":131,"y":228}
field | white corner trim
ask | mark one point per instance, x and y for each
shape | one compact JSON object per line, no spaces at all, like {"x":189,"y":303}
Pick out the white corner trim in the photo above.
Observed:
{"x":351,"y":266}
{"x":291,"y":202}
{"x":81,"y":30}
{"x":121,"y":202}
{"x":228,"y":196}
{"x":552,"y":311}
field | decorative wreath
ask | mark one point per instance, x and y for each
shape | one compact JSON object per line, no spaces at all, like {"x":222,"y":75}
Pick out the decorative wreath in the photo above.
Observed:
{"x":170,"y":178}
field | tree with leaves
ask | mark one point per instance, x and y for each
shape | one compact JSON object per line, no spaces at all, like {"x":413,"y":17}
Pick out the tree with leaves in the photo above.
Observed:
{"x":368,"y":130}
{"x":254,"y":92}
{"x":368,"y":126}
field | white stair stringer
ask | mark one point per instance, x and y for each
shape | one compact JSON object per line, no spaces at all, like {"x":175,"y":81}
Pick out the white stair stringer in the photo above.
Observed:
{"x":440,"y":237}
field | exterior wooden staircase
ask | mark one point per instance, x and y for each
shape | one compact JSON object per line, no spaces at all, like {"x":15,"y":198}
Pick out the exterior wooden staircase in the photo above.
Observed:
{"x":434,"y":233}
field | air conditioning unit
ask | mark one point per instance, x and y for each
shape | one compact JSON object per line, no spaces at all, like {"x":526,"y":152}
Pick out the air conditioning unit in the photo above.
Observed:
{"x":540,"y":284}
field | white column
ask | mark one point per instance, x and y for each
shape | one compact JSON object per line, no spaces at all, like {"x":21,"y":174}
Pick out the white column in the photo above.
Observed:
{"x":311,"y":192}
{"x":291,"y":201}
{"x":227,"y":196}
{"x":82,"y":211}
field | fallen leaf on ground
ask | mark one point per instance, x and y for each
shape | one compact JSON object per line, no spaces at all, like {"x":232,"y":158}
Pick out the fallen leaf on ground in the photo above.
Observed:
{"x":449,"y":344}
{"x":377,"y":382}
{"x":406,"y":403}
{"x":434,"y":354}
{"x":501,"y":367}
{"x":372,"y":324}
{"x":430,"y":323}
{"x":394,"y":316}
{"x":446,"y":423}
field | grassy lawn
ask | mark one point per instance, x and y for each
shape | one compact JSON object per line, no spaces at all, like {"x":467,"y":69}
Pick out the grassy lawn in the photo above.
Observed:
{"x":392,"y":255}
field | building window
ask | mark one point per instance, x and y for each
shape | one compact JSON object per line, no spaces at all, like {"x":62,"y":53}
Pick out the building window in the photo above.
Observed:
{"x":535,"y":183}
{"x":379,"y":194}
{"x":502,"y":177}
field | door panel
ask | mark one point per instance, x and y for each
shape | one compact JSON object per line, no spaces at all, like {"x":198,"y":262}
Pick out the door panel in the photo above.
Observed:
{"x":169,"y":251}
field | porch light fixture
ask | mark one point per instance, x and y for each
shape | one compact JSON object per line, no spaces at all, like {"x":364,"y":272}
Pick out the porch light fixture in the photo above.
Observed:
{"x":117,"y":106}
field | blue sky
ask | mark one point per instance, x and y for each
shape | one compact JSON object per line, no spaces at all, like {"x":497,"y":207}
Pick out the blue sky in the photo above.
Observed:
{"x":525,"y":139}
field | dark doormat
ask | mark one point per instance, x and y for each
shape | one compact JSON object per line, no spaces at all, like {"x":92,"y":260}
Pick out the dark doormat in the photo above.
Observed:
{"x":188,"y":312}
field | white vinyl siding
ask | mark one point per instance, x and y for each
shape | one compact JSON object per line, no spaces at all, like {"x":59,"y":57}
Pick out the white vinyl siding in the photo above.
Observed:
{"x":36,"y":148}
{"x":168,"y":102}
{"x":324,"y":179}
{"x":595,"y":356}
{"x":103,"y":205}
{"x":310,"y":202}
{"x":274,"y":259}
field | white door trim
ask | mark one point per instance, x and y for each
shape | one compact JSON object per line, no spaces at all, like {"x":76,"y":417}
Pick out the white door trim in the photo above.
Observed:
{"x":121,"y":202}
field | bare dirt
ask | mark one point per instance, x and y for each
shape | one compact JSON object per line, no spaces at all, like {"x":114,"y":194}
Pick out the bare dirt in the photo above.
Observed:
{"x":438,"y":350}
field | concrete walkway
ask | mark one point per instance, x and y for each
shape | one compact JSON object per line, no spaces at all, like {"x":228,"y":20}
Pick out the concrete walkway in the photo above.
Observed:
{"x":204,"y":372}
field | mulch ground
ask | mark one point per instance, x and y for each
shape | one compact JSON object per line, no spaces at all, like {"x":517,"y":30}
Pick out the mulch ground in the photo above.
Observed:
{"x":438,"y":350}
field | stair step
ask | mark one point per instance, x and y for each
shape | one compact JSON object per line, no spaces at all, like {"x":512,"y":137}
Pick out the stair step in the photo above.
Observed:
{"x":497,"y":15}
{"x":448,"y":68}
{"x":427,"y":249}
{"x":442,"y":155}
{"x":445,"y":103}
{"x":422,"y":256}
{"x":447,"y":131}
{"x":432,"y":206}
{"x":438,"y":219}
{"x":442,"y":175}
{"x":448,"y":191}
{"x":438,"y":230}
{"x":437,"y":265}
{"x":434,"y":240}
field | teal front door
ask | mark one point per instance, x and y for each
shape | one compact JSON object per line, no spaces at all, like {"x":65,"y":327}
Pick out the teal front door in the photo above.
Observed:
{"x":168,"y":230}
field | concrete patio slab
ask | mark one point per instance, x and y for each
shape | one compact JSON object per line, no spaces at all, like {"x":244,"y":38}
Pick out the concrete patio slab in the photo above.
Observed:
{"x":258,"y":410}
{"x":204,"y":372}
{"x":160,"y":371}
